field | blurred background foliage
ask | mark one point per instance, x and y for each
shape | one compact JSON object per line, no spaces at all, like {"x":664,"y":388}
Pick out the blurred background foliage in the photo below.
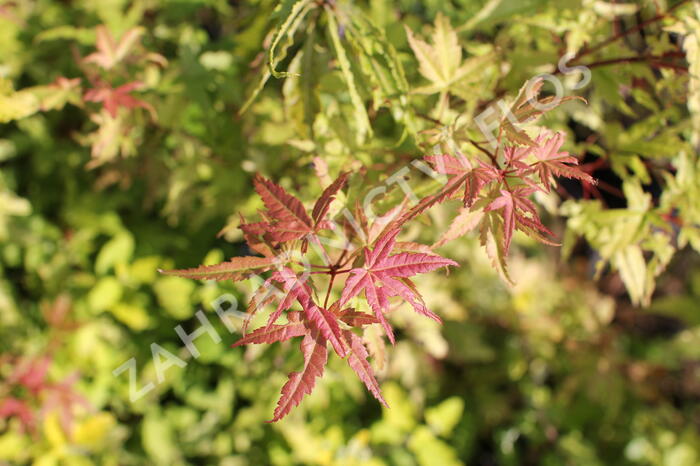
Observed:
{"x":101,"y":185}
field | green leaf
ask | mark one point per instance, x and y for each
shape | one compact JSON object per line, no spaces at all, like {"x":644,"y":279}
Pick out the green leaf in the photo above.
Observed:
{"x":292,"y":13}
{"x":364,"y":128}
{"x":630,"y":262}
{"x":105,"y":294}
{"x":118,"y":250}
{"x":441,"y":63}
{"x":158,"y":438}
{"x":492,"y":239}
{"x":174,"y":295}
{"x":444,"y":417}
{"x":430,"y":450}
{"x":15,"y":105}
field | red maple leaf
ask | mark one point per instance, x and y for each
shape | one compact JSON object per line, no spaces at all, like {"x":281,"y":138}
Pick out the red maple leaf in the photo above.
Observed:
{"x":393,"y":272}
{"x":474,"y":177}
{"x":112,"y":98}
{"x":288,"y":218}
{"x":552,"y":162}
{"x":518,"y":212}
{"x":515,"y":158}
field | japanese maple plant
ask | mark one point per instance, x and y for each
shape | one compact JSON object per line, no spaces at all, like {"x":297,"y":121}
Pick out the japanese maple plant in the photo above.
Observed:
{"x":299,"y":268}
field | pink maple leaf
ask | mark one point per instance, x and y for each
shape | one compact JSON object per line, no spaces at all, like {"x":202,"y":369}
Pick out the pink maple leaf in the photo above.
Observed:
{"x":392,"y":272}
{"x":474,"y":177}
{"x":112,"y":98}
{"x":552,"y":162}
{"x":516,"y":206}
{"x":289,"y":220}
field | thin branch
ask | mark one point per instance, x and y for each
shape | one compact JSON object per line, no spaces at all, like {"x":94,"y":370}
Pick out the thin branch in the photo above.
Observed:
{"x":652,"y":59}
{"x":485,"y":151}
{"x":328,"y":291}
{"x":430,"y":119}
{"x":618,"y":36}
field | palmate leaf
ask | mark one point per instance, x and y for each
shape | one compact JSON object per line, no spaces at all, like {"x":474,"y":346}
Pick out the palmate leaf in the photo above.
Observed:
{"x":438,"y":62}
{"x":552,"y":162}
{"x":112,"y":98}
{"x":473,"y":176}
{"x":381,"y":267}
{"x":281,"y":206}
{"x":288,"y":219}
{"x":110,"y":140}
{"x":109,"y":51}
{"x":441,"y":63}
{"x":238,"y":268}
{"x":313,"y":347}
{"x":517,"y":211}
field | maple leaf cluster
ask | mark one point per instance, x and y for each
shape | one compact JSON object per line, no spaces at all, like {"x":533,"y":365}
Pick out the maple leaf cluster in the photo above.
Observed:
{"x":373,"y":267}
{"x":109,"y":54}
{"x":505,"y":188}
{"x":496,"y":186}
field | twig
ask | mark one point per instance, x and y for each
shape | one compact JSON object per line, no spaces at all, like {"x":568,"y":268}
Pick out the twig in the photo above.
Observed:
{"x":618,"y":36}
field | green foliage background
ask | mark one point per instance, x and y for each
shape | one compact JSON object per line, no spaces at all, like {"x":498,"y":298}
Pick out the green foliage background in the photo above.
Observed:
{"x":559,"y":369}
